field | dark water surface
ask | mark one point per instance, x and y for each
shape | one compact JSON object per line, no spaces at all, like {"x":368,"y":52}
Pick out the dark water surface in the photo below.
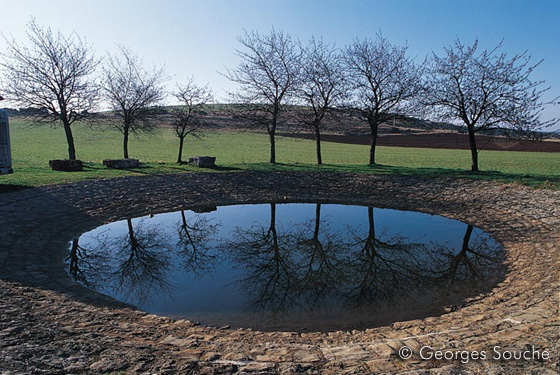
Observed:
{"x":315,"y":267}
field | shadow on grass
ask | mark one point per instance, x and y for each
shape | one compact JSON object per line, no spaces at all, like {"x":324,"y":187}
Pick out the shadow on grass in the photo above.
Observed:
{"x":141,"y":169}
{"x":98,"y":167}
{"x":223,"y":169}
{"x":155,"y":168}
{"x":552,"y":182}
{"x":528,"y":179}
{"x":8,"y":188}
{"x":95,"y":170}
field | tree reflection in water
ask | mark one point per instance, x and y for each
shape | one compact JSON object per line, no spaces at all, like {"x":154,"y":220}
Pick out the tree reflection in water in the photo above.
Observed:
{"x":265,"y":254}
{"x":309,"y":266}
{"x":477,"y":261}
{"x":194,"y":245}
{"x":278,"y":267}
{"x":87,"y":266}
{"x":142,"y":262}
{"x":134,"y":264}
{"x":322,"y":262}
{"x":382,"y":266}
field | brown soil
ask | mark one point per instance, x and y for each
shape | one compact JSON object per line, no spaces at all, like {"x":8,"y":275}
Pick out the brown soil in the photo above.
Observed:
{"x":439,"y":140}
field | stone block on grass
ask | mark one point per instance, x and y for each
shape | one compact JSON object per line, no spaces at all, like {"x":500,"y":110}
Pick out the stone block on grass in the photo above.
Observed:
{"x":66,"y":165}
{"x":203,"y":161}
{"x":121,"y":163}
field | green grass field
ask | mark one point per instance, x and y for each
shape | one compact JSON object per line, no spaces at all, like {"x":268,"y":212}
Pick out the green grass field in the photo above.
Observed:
{"x":33,"y":146}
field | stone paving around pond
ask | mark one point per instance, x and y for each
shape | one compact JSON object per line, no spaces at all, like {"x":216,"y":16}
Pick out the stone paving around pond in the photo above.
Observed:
{"x":52,"y":325}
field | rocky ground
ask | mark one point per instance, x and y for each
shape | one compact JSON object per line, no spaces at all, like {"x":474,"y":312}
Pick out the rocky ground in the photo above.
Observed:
{"x":52,"y":325}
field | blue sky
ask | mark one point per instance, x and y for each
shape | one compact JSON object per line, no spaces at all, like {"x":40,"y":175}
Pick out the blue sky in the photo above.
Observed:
{"x":198,"y":37}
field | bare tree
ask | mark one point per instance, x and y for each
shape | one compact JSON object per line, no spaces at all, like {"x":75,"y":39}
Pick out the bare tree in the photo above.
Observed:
{"x":322,"y":80}
{"x":270,"y":271}
{"x":322,"y":252}
{"x":267,"y":75}
{"x":189,"y":117}
{"x":133,"y":93}
{"x":142,"y":263}
{"x":196,"y":235}
{"x":485,"y":90}
{"x":52,"y":74}
{"x":384,"y":80}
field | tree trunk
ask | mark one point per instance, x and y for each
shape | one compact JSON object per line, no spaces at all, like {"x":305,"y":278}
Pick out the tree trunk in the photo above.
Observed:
{"x":370,"y":241}
{"x":467,"y":238}
{"x":272,"y":229}
{"x":125,"y":143}
{"x":272,"y":132}
{"x":373,"y":143}
{"x":132,"y":237}
{"x":371,"y":223}
{"x":184,"y":219}
{"x":462,"y":256}
{"x":70,"y":140}
{"x":273,"y":215}
{"x":317,"y":222}
{"x":73,"y":257}
{"x":272,"y":147}
{"x":180,"y":157}
{"x":474,"y":151}
{"x":318,"y":139}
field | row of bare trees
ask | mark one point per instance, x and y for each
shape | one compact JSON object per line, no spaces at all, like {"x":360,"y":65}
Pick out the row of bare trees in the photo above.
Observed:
{"x":55,"y":74}
{"x":377,"y":81}
{"x":135,"y":93}
{"x":370,"y":79}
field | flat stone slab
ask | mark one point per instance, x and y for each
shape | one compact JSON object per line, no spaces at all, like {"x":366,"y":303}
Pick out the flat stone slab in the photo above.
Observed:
{"x":50,"y":324}
{"x":121,"y":163}
{"x":66,"y":165}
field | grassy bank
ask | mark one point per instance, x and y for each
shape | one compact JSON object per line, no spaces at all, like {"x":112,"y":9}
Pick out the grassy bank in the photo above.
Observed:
{"x":32,"y":147}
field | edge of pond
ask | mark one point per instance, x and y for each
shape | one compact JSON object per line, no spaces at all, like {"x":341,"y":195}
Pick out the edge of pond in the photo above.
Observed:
{"x":526,"y":222}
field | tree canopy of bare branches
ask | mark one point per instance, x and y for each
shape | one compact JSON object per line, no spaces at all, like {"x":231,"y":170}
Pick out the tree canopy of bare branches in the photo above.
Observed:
{"x":53,"y":74}
{"x":133,"y":93}
{"x":484,"y":90}
{"x":322,"y":85}
{"x":385,"y":82}
{"x":188,"y":118}
{"x":267,"y":76}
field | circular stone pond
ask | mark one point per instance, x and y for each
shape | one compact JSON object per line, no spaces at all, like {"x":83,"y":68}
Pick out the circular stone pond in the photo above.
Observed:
{"x":291,"y":267}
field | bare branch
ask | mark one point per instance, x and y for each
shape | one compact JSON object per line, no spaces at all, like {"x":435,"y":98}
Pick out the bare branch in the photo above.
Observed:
{"x":52,"y":75}
{"x":486,"y":90}
{"x":322,"y":85}
{"x":133,"y":93}
{"x":385,"y":82}
{"x":189,"y":117}
{"x":267,"y":76}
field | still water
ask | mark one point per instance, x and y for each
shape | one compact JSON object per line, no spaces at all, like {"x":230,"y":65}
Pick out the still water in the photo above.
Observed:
{"x":296,"y":267}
